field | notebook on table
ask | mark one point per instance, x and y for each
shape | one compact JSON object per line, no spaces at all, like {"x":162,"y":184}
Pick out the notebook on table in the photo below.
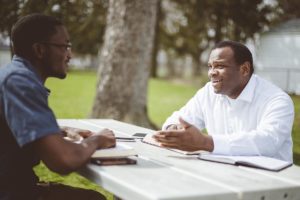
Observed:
{"x":260,"y":162}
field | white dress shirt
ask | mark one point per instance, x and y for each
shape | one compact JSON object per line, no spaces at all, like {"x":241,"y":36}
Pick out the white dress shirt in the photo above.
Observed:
{"x":258,"y":122}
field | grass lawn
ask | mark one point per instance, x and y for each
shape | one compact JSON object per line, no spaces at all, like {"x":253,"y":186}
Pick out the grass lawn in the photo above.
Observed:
{"x":73,"y":98}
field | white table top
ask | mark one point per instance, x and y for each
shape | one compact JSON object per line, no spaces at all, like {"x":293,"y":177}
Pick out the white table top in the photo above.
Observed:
{"x":161,"y":174}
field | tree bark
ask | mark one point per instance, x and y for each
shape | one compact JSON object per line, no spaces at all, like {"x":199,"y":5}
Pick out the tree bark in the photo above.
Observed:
{"x":125,"y":62}
{"x":196,"y":64}
{"x":153,"y":69}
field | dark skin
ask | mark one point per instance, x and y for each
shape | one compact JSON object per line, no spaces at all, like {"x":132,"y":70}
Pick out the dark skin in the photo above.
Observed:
{"x":227,"y":78}
{"x":60,"y":155}
{"x":185,"y":137}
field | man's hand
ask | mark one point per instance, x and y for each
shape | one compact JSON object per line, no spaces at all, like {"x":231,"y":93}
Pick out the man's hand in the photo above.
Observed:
{"x":185,"y":137}
{"x":175,"y":127}
{"x":75,"y":134}
{"x":106,"y":138}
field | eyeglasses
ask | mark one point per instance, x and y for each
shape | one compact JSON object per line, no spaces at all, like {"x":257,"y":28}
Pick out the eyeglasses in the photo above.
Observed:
{"x":67,"y":47}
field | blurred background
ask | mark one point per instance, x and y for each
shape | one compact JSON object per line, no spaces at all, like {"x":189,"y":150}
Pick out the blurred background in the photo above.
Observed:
{"x":184,"y":33}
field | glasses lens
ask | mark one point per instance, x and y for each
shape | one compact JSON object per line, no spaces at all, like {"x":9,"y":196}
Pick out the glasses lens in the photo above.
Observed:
{"x":65,"y":46}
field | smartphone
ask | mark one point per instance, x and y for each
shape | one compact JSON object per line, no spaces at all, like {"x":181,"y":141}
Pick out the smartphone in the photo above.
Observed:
{"x":139,"y":135}
{"x":114,"y":161}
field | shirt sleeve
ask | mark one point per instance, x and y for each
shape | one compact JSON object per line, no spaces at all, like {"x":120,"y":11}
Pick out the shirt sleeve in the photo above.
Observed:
{"x":273,"y":130}
{"x":191,"y":112}
{"x":26,"y":108}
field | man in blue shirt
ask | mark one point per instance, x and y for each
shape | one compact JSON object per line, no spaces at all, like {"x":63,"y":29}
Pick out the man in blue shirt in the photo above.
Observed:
{"x":29,"y":132}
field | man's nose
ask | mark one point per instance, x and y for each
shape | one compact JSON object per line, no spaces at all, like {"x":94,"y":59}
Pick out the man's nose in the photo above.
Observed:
{"x":212,"y":71}
{"x":69,"y":54}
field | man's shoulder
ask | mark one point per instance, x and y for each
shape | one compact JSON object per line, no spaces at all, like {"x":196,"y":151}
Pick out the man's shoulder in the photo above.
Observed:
{"x":268,"y":90}
{"x":16,"y":74}
{"x":12,"y":70}
{"x":263,"y":84}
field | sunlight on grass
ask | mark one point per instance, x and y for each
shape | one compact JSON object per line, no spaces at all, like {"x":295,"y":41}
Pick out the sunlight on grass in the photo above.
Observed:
{"x":296,"y":128}
{"x":72,"y":179}
{"x":164,"y":98}
{"x":72,"y":97}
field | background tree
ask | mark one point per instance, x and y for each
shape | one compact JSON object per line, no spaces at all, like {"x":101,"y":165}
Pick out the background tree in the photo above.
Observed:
{"x":286,"y":10}
{"x":8,"y":15}
{"x":84,"y":19}
{"x":208,"y":22}
{"x":125,"y":61}
{"x":153,"y":69}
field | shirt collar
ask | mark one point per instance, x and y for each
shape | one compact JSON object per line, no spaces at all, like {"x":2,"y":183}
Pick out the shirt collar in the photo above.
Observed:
{"x":248,"y":92}
{"x":29,"y":66}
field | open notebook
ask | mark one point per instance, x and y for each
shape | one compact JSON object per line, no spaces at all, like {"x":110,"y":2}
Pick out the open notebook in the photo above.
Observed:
{"x":250,"y":161}
{"x":261,"y":162}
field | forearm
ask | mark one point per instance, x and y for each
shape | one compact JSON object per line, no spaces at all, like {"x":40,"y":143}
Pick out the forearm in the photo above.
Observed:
{"x":66,"y":156}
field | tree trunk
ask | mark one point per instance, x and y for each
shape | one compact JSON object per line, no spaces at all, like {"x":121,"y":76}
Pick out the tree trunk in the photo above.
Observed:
{"x":196,"y":64}
{"x":153,"y":70}
{"x":125,"y":62}
{"x":218,"y":25}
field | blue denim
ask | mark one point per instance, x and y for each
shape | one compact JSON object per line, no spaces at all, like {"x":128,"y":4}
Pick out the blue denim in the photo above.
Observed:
{"x":24,"y":117}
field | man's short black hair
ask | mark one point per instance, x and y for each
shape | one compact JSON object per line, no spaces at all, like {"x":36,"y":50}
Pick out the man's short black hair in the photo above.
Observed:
{"x":240,"y":51}
{"x":31,"y":29}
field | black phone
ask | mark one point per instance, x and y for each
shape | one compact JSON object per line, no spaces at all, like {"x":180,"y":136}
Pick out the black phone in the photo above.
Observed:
{"x":114,"y":161}
{"x":139,"y":135}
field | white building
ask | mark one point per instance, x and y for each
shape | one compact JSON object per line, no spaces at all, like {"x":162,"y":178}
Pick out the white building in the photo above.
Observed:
{"x":278,"y":56}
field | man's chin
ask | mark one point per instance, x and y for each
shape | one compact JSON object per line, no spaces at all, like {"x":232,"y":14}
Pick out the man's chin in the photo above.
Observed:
{"x":217,"y":91}
{"x":60,"y":76}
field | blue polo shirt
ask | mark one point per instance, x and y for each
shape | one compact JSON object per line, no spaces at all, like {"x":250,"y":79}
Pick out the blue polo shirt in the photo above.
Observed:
{"x":24,"y":117}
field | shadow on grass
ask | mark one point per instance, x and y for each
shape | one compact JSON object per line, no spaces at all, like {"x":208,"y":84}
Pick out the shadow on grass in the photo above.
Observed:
{"x":297,"y":159}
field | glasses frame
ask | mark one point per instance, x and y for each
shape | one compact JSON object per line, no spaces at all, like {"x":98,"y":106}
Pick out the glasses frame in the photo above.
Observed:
{"x":67,"y":46}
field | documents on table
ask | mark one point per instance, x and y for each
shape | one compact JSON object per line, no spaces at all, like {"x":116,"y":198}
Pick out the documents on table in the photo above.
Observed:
{"x":261,"y":162}
{"x":120,"y":150}
{"x":121,"y":154}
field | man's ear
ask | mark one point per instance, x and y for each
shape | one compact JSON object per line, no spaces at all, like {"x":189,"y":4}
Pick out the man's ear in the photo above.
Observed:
{"x":38,"y":50}
{"x":245,"y":68}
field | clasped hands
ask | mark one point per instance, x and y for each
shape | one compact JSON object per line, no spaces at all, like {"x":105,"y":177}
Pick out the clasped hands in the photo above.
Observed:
{"x":184,"y":136}
{"x":76,"y":135}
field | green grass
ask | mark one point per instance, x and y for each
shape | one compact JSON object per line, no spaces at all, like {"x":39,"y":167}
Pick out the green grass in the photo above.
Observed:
{"x":164,"y":98}
{"x":73,"y":98}
{"x":296,"y":130}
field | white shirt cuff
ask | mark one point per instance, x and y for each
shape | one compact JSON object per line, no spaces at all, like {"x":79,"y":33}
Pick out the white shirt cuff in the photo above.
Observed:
{"x":221,"y":144}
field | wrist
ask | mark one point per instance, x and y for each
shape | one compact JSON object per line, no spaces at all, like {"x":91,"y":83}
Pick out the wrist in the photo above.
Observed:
{"x":209,"y":143}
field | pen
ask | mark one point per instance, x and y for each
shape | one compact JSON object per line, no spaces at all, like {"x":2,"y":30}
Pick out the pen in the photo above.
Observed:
{"x":125,"y":138}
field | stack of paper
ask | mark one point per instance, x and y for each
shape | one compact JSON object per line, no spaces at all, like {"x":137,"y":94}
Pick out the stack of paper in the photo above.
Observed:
{"x":121,"y":154}
{"x":120,"y":150}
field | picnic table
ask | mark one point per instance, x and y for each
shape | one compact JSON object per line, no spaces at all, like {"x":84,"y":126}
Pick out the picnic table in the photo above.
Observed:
{"x":161,"y":174}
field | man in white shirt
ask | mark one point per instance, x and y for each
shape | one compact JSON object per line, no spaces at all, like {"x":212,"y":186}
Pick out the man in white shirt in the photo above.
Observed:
{"x":242,"y":113}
